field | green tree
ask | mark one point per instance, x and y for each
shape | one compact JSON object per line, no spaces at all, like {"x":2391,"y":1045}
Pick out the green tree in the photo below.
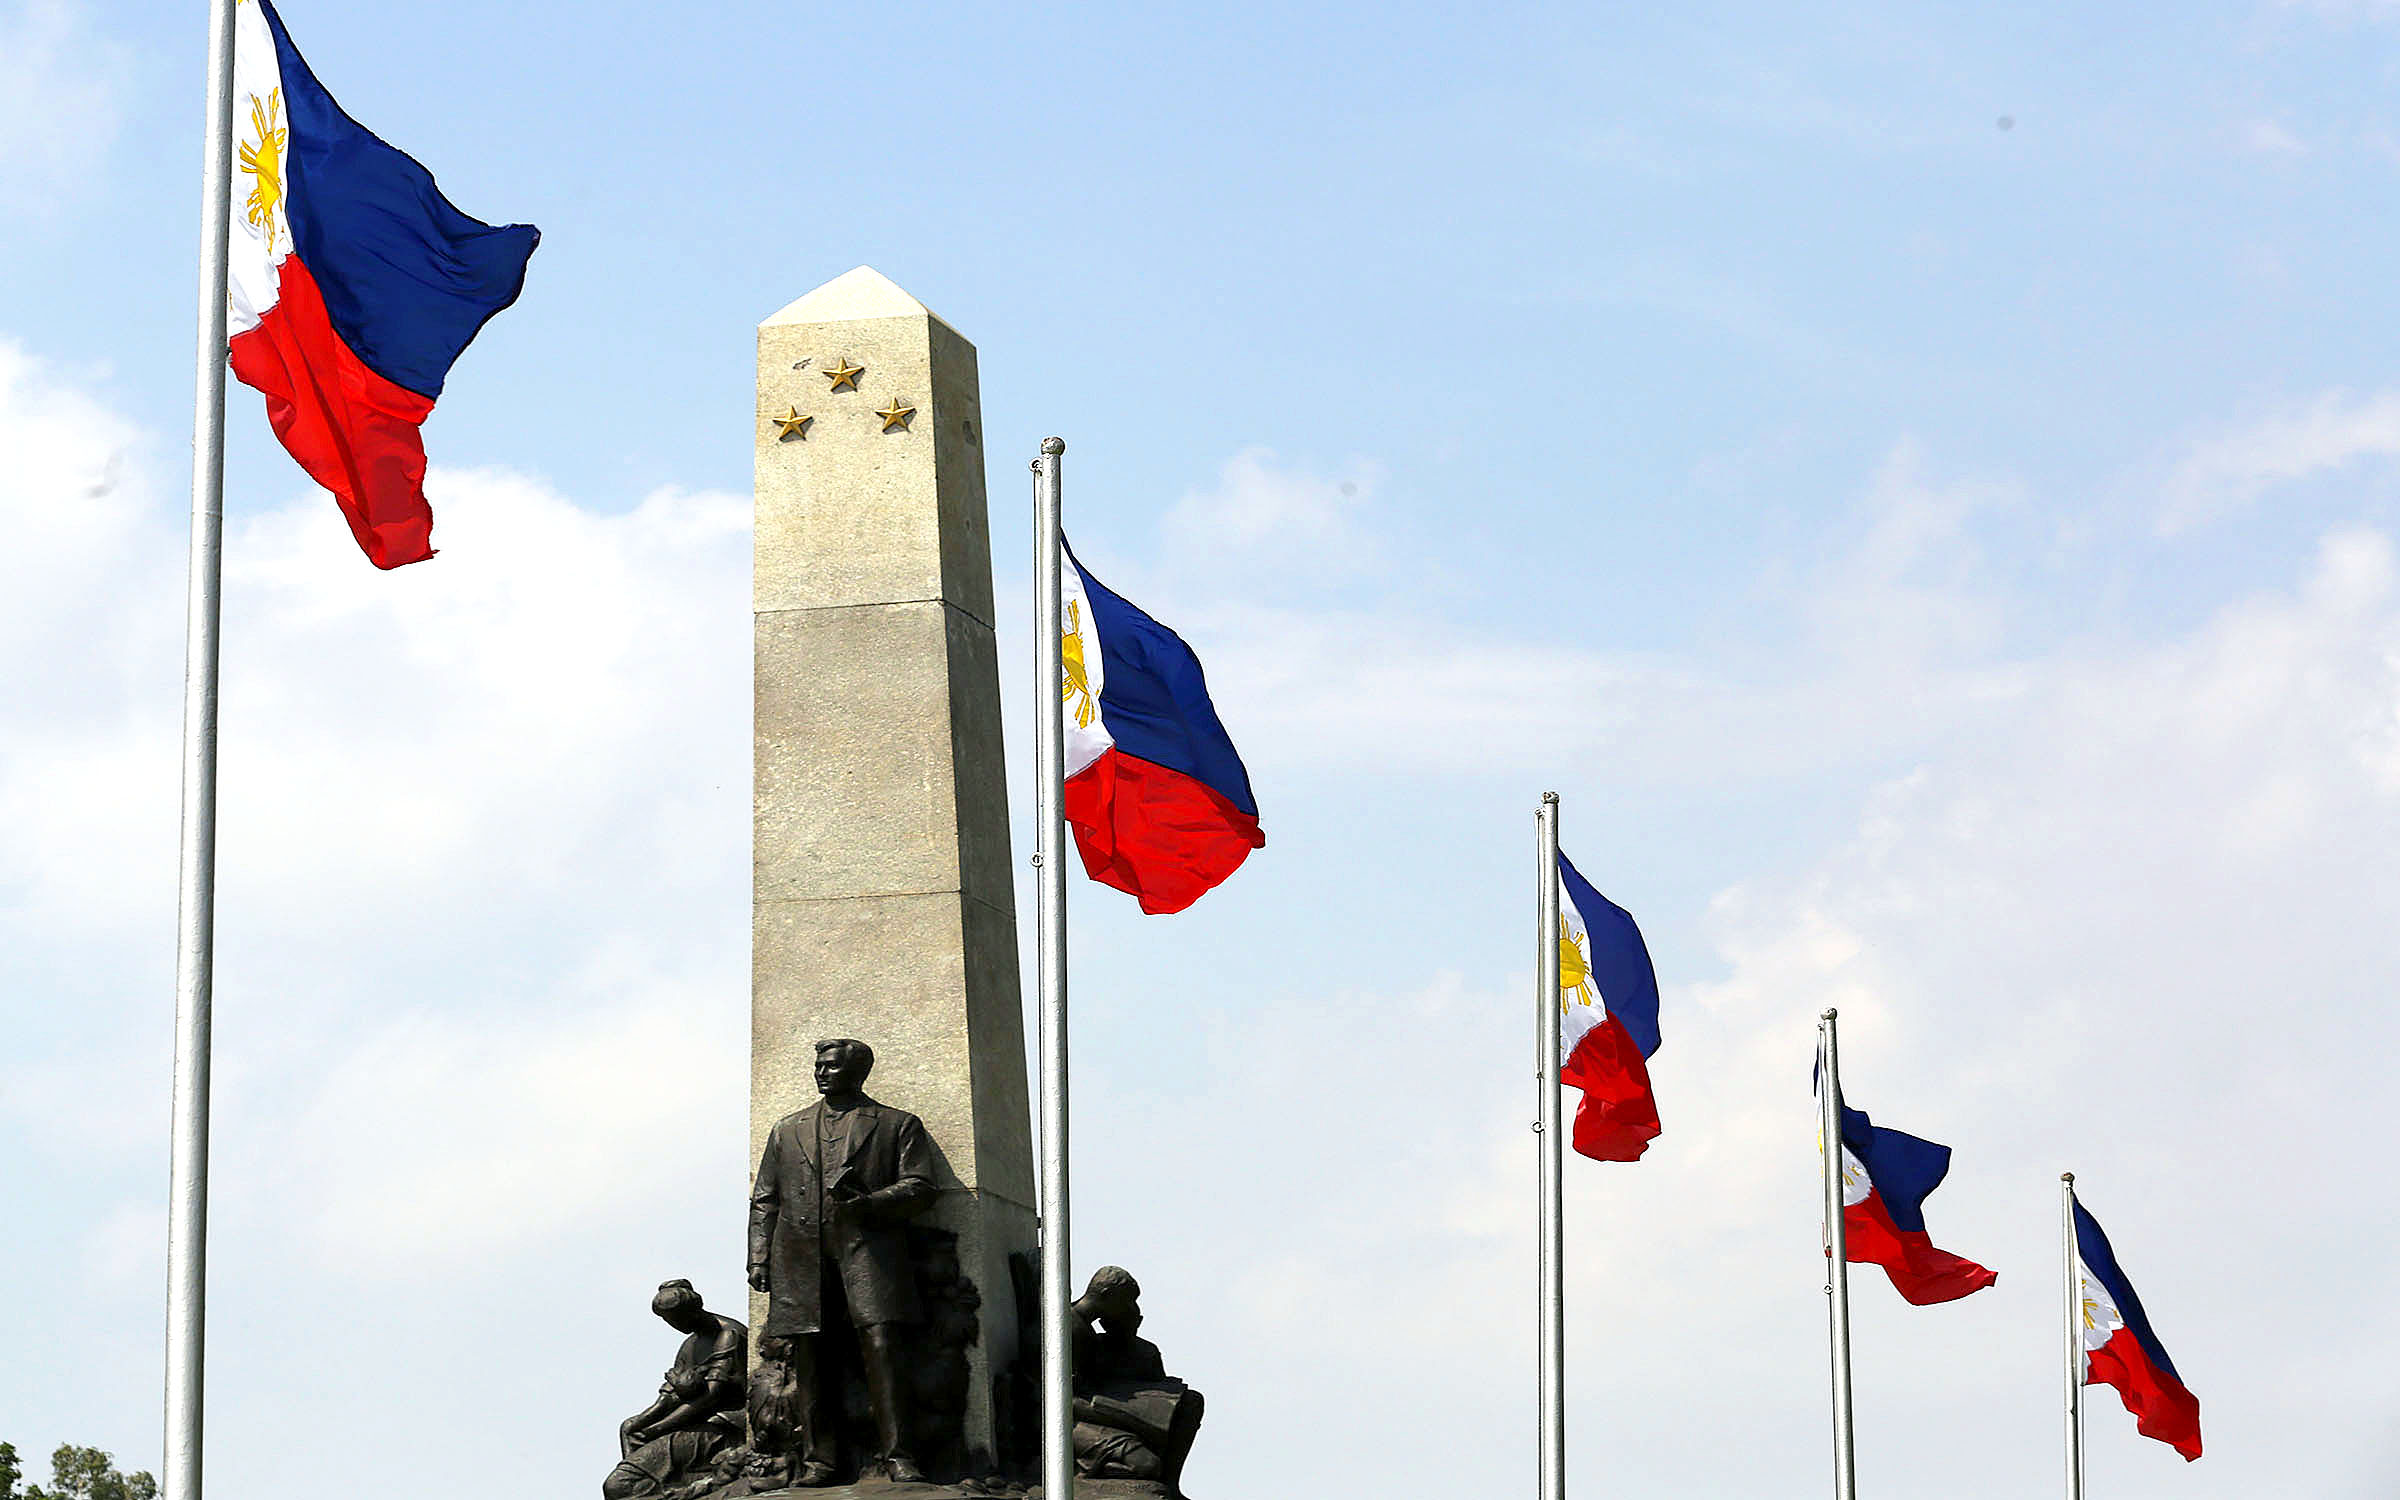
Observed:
{"x":75,"y":1474}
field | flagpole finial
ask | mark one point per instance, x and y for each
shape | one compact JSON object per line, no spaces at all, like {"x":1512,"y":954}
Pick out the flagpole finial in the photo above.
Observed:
{"x":2067,"y":1177}
{"x":1829,"y":1014}
{"x":1054,"y":446}
{"x":1550,"y":797}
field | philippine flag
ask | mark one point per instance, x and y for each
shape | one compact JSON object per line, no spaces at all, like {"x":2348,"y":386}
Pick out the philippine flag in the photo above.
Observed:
{"x":354,"y":286}
{"x":1159,"y":801}
{"x":1609,"y":1032}
{"x":1886,"y":1177}
{"x":2120,"y":1349}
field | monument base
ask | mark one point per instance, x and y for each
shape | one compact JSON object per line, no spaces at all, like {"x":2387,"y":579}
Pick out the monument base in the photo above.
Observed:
{"x":873,"y":1489}
{"x":884,"y":1489}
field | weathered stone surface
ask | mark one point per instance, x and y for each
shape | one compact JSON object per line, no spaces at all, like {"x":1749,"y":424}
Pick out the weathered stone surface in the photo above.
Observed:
{"x":878,"y":753}
{"x":882,"y":902}
{"x":851,"y":513}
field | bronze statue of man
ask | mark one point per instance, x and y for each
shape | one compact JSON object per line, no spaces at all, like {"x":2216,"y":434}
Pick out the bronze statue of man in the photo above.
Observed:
{"x":835,"y":1185}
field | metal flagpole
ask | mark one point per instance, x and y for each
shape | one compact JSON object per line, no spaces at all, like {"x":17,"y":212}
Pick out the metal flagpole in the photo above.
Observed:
{"x":1551,"y":1464}
{"x":1837,"y":1248}
{"x":2074,"y":1311}
{"x":1050,"y":872}
{"x":195,"y":934}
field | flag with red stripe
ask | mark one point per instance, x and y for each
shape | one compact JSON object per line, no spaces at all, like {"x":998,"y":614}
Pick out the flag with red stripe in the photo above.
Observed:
{"x":1886,"y":1177}
{"x":2121,"y":1349}
{"x":1157,"y":795}
{"x":1608,"y":1029}
{"x":353,"y":287}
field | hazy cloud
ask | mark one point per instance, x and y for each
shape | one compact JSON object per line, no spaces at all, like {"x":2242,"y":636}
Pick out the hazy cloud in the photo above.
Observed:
{"x":2136,"y":930}
{"x":2220,"y":476}
{"x":482,"y":923}
{"x":1899,"y":626}
{"x":2344,"y":10}
{"x":60,"y":92}
{"x":2272,"y":138}
{"x":483,"y":968}
{"x":1262,"y":514}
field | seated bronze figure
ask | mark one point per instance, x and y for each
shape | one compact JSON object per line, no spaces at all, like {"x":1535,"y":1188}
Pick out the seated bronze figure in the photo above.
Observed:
{"x":698,"y":1414}
{"x":1132,"y":1419}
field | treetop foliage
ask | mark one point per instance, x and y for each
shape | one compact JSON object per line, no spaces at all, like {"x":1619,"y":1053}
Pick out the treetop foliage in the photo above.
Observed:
{"x":75,"y":1474}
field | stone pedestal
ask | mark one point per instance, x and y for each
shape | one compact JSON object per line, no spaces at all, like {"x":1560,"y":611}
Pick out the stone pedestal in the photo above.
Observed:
{"x":1085,"y":1489}
{"x":882,"y":906}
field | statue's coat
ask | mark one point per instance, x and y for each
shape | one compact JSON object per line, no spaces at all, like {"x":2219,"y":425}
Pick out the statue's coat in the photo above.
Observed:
{"x":792,"y":1233}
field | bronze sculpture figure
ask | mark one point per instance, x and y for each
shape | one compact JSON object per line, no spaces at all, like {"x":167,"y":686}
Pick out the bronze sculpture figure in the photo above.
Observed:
{"x":698,"y":1414}
{"x":1132,"y":1419}
{"x":836,"y":1183}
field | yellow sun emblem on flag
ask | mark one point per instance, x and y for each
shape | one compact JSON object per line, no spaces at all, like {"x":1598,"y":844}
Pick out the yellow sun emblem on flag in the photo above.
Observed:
{"x":2091,"y":1310}
{"x":1852,"y":1173}
{"x":262,"y":158}
{"x":1077,"y":688}
{"x":1574,"y":970}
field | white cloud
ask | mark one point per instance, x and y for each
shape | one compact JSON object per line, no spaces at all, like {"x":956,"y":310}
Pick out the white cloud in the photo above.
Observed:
{"x":1264,"y":515}
{"x":483,"y":963}
{"x":77,"y":484}
{"x":501,"y":690}
{"x":2128,"y":913}
{"x":60,"y":93}
{"x":481,"y":928}
{"x":2345,"y":10}
{"x":1622,"y":148}
{"x":524,"y":1130}
{"x":2271,"y":138}
{"x":90,"y":593}
{"x":2138,"y":929}
{"x":2220,"y":476}
{"x":2140,"y":932}
{"x":1910,"y":583}
{"x":1896,"y":636}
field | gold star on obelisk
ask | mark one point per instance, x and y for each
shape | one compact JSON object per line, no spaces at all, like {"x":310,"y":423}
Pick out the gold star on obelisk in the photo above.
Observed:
{"x":845,"y":373}
{"x":791,"y":424}
{"x":896,"y":415}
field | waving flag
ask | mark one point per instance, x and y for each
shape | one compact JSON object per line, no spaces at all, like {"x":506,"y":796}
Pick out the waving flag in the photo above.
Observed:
{"x":1886,"y":1177}
{"x":1156,"y":794}
{"x":354,"y":286}
{"x":1608,"y":992}
{"x":2120,"y":1349}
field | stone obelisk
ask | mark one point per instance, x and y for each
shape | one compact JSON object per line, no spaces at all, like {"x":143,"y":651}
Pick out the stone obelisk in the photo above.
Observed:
{"x":882,"y":906}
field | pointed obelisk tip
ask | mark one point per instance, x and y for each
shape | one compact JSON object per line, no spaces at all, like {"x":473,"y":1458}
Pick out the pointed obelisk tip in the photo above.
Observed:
{"x":854,"y":295}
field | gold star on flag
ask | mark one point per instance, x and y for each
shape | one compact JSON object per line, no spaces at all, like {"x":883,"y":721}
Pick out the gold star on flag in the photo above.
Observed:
{"x":845,"y":373}
{"x":792,"y":424}
{"x":896,"y":415}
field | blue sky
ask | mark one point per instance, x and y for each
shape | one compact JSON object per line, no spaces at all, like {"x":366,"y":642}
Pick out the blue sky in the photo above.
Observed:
{"x":1948,"y":569}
